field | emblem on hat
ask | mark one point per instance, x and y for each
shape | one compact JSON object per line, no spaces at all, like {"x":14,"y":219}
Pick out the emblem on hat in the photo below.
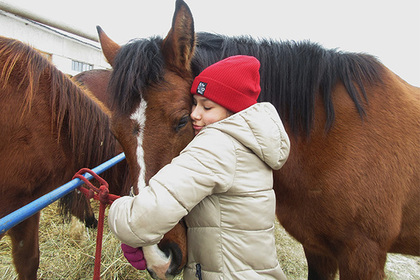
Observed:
{"x":201,"y":88}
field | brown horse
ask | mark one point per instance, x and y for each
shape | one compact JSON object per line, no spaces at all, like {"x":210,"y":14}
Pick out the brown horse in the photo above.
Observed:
{"x":350,"y":189}
{"x":95,"y":82}
{"x":49,"y":130}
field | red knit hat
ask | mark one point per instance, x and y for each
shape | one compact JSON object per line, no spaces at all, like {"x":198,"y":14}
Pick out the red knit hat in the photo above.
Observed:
{"x":233,"y":82}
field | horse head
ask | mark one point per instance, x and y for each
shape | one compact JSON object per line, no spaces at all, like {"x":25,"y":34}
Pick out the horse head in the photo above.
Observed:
{"x":150,"y":115}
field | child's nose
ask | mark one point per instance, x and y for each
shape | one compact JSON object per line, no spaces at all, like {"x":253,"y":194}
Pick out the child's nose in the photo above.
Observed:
{"x":195,"y":114}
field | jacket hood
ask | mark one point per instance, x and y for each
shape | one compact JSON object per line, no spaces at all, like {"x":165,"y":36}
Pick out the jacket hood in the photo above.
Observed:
{"x":260,"y":129}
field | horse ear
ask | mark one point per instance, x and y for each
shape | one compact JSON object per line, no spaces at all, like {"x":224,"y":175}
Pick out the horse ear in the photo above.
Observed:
{"x":109,"y":47}
{"x":178,"y":46}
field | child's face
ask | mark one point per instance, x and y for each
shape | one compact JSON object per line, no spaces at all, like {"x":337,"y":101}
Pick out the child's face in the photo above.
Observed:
{"x":205,"y":112}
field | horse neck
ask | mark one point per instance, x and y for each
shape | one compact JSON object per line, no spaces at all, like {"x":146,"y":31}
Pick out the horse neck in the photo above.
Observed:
{"x":81,"y":123}
{"x":80,"y":127}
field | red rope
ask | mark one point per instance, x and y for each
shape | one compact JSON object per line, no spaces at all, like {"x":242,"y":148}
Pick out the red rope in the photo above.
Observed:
{"x":101,"y":194}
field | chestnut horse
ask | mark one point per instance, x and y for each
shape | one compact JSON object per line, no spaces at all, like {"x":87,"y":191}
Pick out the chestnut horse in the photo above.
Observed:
{"x":350,"y":189}
{"x":174,"y":243}
{"x":50,"y":129}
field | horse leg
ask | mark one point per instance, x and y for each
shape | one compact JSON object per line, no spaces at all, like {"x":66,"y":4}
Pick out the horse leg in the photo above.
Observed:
{"x":366,"y":261}
{"x":320,"y":267}
{"x":25,"y":247}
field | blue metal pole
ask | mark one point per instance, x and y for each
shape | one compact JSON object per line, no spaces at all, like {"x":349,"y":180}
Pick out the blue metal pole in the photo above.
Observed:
{"x":37,"y":205}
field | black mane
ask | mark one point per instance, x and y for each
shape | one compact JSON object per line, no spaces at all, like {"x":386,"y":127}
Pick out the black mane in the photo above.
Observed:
{"x":138,"y":64}
{"x":292,"y":73}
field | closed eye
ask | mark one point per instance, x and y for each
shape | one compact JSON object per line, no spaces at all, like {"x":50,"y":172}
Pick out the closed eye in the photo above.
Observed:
{"x":182,"y":122}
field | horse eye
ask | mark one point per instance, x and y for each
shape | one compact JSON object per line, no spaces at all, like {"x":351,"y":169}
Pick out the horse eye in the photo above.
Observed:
{"x":182,"y":122}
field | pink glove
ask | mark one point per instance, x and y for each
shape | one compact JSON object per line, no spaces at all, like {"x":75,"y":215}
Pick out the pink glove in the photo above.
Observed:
{"x":134,"y":256}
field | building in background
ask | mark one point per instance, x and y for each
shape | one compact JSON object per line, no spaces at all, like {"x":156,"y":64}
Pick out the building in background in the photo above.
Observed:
{"x":70,"y":53}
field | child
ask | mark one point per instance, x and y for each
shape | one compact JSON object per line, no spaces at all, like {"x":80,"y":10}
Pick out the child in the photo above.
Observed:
{"x":221,"y":182}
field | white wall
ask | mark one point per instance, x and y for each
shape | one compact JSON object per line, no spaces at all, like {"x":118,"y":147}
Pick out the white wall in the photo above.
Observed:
{"x":61,"y":45}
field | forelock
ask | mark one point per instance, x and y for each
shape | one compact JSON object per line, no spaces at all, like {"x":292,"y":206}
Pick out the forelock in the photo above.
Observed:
{"x":139,"y":64}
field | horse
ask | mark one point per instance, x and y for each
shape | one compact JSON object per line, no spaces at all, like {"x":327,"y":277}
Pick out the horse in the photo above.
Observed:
{"x":95,"y":82}
{"x":50,"y":129}
{"x":350,"y":190}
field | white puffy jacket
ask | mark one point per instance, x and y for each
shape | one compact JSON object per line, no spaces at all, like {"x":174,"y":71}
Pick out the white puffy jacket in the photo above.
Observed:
{"x":222,"y":183}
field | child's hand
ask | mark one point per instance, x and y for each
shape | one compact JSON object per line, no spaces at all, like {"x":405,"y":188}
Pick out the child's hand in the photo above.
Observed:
{"x":134,"y":256}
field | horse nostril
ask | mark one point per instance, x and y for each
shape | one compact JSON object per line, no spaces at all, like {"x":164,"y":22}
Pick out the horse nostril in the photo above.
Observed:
{"x":172,"y":250}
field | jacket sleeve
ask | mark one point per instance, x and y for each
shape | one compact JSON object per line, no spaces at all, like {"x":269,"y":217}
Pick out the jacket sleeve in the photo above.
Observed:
{"x":204,"y":167}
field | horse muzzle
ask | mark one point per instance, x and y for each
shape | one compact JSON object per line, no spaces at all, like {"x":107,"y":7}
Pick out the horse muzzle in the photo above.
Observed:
{"x":163,"y":261}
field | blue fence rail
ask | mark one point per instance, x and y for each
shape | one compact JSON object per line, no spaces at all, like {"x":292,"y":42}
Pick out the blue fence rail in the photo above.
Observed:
{"x":37,"y":205}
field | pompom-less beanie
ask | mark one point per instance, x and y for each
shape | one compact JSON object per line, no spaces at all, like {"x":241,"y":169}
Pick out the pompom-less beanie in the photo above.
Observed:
{"x":233,"y":82}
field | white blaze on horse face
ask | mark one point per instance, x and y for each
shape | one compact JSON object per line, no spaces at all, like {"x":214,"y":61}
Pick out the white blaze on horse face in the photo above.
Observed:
{"x":157,"y":262}
{"x":139,"y":116}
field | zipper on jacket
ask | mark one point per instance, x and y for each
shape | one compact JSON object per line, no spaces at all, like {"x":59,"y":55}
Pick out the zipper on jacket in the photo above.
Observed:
{"x":198,"y":271}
